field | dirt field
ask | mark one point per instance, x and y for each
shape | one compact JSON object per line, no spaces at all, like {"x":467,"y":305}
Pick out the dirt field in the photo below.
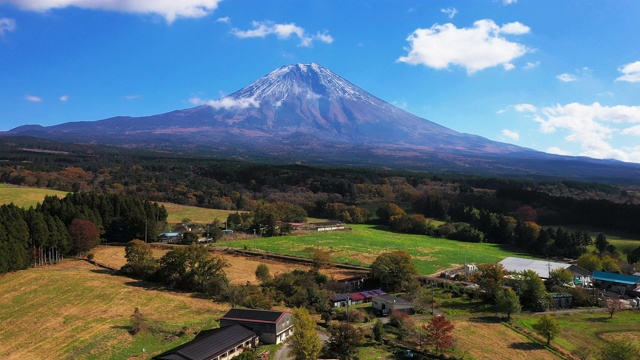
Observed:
{"x":487,"y":340}
{"x":242,"y":268}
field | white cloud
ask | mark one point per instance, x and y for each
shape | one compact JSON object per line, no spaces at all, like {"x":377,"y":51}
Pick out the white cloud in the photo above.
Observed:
{"x":324,"y":37}
{"x":226,"y":103}
{"x":509,"y":2}
{"x":401,"y":104}
{"x":557,"y":151}
{"x":513,"y":135}
{"x":566,"y":77}
{"x":531,"y":65}
{"x":262,"y":29}
{"x":631,"y":72}
{"x":525,"y":108}
{"x":593,"y":127}
{"x":64,"y":98}
{"x":634,"y":130}
{"x":225,"y":19}
{"x":451,"y":12}
{"x":33,"y":98}
{"x":169,"y":9}
{"x":475,"y":48}
{"x":509,"y":66}
{"x":7,"y":25}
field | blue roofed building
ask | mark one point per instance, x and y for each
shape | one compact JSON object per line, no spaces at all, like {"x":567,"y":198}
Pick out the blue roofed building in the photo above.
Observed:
{"x":619,"y":283}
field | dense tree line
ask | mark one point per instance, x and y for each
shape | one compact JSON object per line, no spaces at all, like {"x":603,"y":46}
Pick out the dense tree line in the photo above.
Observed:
{"x":475,"y":208}
{"x":71,"y":225}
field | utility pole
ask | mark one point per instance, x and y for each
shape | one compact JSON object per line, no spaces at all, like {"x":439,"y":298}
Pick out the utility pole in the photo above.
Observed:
{"x":145,"y":228}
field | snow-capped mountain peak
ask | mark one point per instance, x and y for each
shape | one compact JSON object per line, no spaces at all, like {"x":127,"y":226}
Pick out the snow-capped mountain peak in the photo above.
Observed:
{"x":312,"y":81}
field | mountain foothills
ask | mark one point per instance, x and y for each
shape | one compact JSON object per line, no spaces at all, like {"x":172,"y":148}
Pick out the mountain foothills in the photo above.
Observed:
{"x":306,"y":113}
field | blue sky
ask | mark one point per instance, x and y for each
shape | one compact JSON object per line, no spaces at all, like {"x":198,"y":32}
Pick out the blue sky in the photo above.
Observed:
{"x":556,"y":76}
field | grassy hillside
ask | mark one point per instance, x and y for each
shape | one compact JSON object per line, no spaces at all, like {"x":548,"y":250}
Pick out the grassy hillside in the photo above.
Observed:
{"x":365,"y":242}
{"x":75,"y":310}
{"x":25,"y":196}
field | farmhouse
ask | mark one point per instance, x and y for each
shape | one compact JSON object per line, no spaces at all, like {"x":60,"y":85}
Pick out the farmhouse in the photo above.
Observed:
{"x":384,"y":304}
{"x":170,"y":237}
{"x":619,"y":283}
{"x":543,"y":267}
{"x":273,"y":327}
{"x":215,"y":344}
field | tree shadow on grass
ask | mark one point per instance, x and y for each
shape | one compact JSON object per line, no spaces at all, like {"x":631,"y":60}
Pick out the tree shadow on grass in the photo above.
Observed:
{"x":487,"y":319}
{"x":527,"y":346}
{"x":103,"y":271}
{"x":599,"y":319}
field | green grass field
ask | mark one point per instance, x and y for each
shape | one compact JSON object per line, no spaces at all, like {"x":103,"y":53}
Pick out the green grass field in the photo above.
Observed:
{"x":364,"y":243}
{"x":195,"y":214}
{"x":25,"y":196}
{"x":592,"y":329}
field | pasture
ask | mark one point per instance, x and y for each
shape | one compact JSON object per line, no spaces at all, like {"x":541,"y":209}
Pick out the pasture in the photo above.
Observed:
{"x":195,"y":214}
{"x":25,"y":196}
{"x":75,"y":310}
{"x":363,"y":243}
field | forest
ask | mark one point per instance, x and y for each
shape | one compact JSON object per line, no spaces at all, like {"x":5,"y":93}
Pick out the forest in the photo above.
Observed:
{"x":57,"y":228}
{"x":480,"y":209}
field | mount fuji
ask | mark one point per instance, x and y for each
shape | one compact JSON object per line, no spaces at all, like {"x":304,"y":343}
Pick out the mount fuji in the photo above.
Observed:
{"x":306,"y":113}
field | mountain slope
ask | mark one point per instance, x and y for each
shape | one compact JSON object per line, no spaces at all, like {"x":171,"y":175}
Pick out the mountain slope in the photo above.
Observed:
{"x":305,"y":112}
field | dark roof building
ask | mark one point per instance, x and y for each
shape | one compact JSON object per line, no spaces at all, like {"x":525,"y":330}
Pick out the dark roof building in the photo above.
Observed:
{"x":272,"y":327}
{"x":214,"y":344}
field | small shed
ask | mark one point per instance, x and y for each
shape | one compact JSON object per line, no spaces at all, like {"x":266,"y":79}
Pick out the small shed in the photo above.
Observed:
{"x":369,"y":294}
{"x":384,"y":304}
{"x":356,"y":298}
{"x":352,"y":283}
{"x":339,"y":300}
{"x":562,"y":300}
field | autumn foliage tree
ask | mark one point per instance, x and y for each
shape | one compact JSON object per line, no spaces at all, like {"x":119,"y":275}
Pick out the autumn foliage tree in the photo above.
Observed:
{"x":84,"y":235}
{"x":305,"y":343}
{"x":439,"y":333}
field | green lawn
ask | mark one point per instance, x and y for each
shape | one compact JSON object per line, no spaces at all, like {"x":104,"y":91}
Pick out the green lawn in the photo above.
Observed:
{"x":364,"y":243}
{"x":25,"y":196}
{"x":592,"y":329}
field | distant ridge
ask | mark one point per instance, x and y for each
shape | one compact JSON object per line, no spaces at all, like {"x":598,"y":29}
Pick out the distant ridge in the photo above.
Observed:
{"x":306,"y":113}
